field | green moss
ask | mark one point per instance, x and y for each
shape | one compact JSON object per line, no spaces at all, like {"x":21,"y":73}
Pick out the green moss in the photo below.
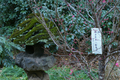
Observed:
{"x":23,"y":24}
{"x":28,"y":27}
{"x":37,"y":38}
{"x":35,"y":29}
{"x":31,"y":31}
{"x":32,"y":15}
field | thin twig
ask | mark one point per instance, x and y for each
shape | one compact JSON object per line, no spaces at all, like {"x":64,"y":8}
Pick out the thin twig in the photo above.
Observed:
{"x":79,"y":14}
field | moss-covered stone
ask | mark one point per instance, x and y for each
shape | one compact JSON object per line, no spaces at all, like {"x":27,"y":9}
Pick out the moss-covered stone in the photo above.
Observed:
{"x":31,"y":31}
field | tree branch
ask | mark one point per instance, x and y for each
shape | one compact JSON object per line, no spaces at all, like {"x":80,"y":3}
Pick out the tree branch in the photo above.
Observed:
{"x":107,"y":14}
{"x":113,"y":53}
{"x":79,"y":14}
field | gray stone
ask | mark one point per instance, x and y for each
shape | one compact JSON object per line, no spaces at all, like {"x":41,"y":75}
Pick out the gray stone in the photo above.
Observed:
{"x":37,"y":75}
{"x":35,"y":62}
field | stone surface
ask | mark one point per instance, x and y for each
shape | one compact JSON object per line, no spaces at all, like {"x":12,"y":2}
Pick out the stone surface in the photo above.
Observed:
{"x":29,"y":63}
{"x":35,"y":62}
{"x":37,"y":75}
{"x":37,"y":50}
{"x":35,"y":67}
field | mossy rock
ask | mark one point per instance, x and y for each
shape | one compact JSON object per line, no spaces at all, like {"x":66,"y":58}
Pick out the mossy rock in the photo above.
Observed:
{"x":31,"y":31}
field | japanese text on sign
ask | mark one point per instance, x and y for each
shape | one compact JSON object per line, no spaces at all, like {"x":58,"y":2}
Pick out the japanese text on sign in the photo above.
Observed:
{"x":96,"y":39}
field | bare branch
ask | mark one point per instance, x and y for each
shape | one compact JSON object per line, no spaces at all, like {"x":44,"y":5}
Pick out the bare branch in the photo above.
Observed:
{"x":112,"y":68}
{"x":113,"y":53}
{"x":89,"y":14}
{"x":107,"y":14}
{"x":79,"y":13}
{"x":45,"y":26}
{"x":117,"y":9}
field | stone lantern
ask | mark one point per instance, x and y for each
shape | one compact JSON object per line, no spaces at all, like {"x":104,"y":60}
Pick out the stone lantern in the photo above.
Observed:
{"x":35,"y":62}
{"x":32,"y":34}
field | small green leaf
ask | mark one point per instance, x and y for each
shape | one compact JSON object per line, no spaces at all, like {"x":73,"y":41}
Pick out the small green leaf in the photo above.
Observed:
{"x":2,"y":40}
{"x":1,"y":49}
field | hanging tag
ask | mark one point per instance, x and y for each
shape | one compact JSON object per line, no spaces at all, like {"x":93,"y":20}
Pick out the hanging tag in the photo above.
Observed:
{"x":96,"y":40}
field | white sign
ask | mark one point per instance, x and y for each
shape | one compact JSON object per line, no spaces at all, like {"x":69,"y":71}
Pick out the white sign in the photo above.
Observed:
{"x":96,"y":39}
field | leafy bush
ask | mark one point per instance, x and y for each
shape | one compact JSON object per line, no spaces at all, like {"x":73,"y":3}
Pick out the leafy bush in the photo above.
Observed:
{"x":6,"y":31}
{"x":6,"y":55}
{"x":72,"y":21}
{"x":63,"y":73}
{"x":73,"y":25}
{"x":13,"y":73}
{"x":55,"y":73}
{"x":12,"y":11}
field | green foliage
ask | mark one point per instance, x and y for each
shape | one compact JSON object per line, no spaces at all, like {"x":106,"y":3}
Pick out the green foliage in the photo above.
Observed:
{"x":55,"y":73}
{"x":6,"y":55}
{"x":6,"y":31}
{"x":13,"y":73}
{"x":73,"y":25}
{"x":62,"y":73}
{"x":31,"y":31}
{"x":115,"y":44}
{"x":12,"y":11}
{"x":72,"y":21}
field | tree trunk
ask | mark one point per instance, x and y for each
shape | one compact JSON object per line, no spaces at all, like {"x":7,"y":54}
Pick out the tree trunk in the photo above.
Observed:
{"x":101,"y":67}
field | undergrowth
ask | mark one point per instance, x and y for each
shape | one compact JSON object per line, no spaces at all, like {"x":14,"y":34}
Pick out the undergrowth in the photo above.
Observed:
{"x":63,"y":73}
{"x":55,"y":73}
{"x":13,"y":73}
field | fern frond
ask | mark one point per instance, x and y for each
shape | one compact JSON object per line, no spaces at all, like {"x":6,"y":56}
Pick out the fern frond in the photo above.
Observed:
{"x":16,"y":46}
